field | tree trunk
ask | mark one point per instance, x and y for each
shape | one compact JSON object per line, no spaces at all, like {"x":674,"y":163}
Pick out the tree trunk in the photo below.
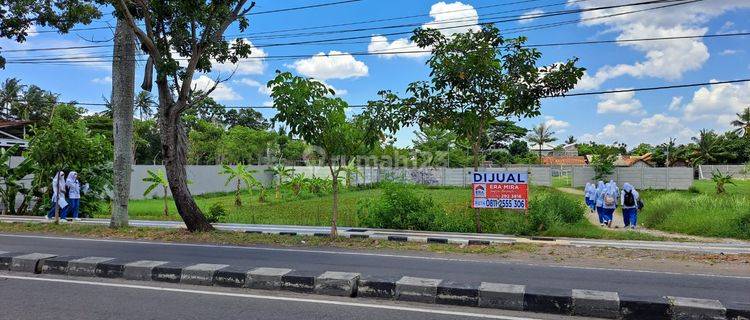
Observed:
{"x":174,"y":145}
{"x":335,"y":211}
{"x":123,"y":87}
{"x":237,"y":198}
{"x":477,"y":212}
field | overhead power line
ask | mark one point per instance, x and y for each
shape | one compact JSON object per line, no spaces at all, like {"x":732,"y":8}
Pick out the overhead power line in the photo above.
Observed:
{"x":319,"y":5}
{"x":92,"y":59}
{"x":577,"y":94}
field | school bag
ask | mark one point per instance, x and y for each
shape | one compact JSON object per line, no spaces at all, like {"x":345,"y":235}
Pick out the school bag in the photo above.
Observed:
{"x":609,"y":200}
{"x":629,"y":199}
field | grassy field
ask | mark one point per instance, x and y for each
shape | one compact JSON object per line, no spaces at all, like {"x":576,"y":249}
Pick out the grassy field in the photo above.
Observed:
{"x":700,"y":211}
{"x":314,"y":210}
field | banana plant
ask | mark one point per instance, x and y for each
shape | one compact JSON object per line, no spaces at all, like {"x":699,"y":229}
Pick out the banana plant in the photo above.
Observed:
{"x":157,"y":179}
{"x":241,"y":174}
{"x":297,"y":181}
{"x":279,"y":172}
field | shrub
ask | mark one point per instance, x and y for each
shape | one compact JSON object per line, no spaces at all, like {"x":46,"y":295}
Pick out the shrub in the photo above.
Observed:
{"x":400,"y":207}
{"x":743,"y":225}
{"x":694,"y":189}
{"x":216,"y":212}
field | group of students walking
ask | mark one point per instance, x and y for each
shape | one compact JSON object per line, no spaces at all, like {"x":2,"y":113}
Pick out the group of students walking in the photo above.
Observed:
{"x":603,"y":198}
{"x":66,"y":196}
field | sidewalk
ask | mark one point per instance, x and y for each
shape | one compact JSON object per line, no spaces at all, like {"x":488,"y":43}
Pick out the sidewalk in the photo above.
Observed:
{"x":734,"y":247}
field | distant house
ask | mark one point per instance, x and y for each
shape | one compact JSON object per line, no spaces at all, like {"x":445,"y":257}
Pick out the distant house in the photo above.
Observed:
{"x":630,"y":161}
{"x":12,"y":133}
{"x":564,"y":160}
{"x":568,"y":150}
{"x":547,"y":149}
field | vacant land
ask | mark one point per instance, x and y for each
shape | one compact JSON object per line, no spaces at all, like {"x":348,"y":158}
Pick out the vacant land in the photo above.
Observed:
{"x":309,"y":209}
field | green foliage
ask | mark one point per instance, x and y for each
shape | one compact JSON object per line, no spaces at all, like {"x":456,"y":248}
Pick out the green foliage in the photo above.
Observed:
{"x":400,"y":207}
{"x":604,"y":165}
{"x":19,"y":16}
{"x":69,"y":146}
{"x":240,"y":174}
{"x":147,"y":142}
{"x":694,"y":189}
{"x":477,"y":77}
{"x":243,"y":145}
{"x":12,"y":184}
{"x":721,"y":180}
{"x":157,"y":179}
{"x":541,"y":135}
{"x":216,"y":213}
{"x":708,"y":148}
{"x":205,"y":143}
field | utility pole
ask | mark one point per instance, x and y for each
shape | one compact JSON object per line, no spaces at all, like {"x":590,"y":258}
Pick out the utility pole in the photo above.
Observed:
{"x":123,"y":87}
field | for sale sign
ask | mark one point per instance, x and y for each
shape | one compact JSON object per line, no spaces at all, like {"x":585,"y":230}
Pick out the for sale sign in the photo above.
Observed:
{"x":500,"y":190}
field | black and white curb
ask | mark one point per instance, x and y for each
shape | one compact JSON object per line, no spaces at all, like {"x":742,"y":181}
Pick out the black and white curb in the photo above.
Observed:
{"x":578,"y":302}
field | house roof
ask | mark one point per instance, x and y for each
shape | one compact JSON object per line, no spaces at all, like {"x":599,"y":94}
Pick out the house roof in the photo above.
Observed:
{"x":627,"y":161}
{"x":564,"y":160}
{"x":13,"y":123}
{"x":545,"y":146}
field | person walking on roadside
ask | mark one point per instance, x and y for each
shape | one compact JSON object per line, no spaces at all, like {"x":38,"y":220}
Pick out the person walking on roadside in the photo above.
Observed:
{"x":609,"y":199}
{"x":629,"y":201}
{"x":74,"y":194}
{"x":599,"y":201}
{"x":590,"y":196}
{"x":58,"y":198}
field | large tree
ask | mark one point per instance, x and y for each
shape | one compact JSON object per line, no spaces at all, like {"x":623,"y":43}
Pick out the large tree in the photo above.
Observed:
{"x":123,"y":100}
{"x":308,"y":108}
{"x":478,"y":77}
{"x":17,"y":17}
{"x":173,"y":30}
{"x":707,"y":148}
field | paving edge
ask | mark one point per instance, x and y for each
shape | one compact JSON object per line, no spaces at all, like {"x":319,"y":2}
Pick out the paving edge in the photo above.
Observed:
{"x":580,"y":302}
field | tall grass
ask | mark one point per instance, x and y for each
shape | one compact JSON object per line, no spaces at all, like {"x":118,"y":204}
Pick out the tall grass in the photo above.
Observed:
{"x":712,"y":215}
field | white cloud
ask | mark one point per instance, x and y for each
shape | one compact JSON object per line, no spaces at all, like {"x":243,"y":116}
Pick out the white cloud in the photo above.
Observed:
{"x":380,"y":44}
{"x":451,"y":18}
{"x":675,"y":104}
{"x":103,"y":80}
{"x":718,"y":103}
{"x":667,"y":60}
{"x":556,"y":124}
{"x":729,"y":52}
{"x":222,"y":92}
{"x":529,"y":16}
{"x":248,"y":82}
{"x":655,"y":129}
{"x":253,"y":64}
{"x":335,"y":65}
{"x":728,"y":27}
{"x":620,"y":102}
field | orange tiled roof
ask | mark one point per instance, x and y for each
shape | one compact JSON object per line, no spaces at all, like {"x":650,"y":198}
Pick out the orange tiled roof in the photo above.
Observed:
{"x":564,"y":160}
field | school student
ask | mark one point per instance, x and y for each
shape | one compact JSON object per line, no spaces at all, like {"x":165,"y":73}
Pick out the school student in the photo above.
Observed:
{"x":58,"y":198}
{"x":609,"y":199}
{"x":590,"y":196}
{"x":74,"y":194}
{"x":629,"y":200}
{"x":599,"y":203}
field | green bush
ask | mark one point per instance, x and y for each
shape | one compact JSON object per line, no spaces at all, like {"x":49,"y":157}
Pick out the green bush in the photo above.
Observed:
{"x":400,"y":207}
{"x":694,"y":189}
{"x":216,"y":212}
{"x":743,"y":225}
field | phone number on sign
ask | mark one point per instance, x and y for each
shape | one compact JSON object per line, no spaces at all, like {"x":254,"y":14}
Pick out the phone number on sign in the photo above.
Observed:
{"x":501,"y":203}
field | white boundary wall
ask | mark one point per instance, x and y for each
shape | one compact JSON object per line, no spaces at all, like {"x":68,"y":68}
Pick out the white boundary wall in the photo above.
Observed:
{"x":678,"y":178}
{"x":206,"y":179}
{"x":736,"y":170}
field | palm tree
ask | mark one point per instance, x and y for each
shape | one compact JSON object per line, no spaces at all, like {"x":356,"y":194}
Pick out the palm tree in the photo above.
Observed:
{"x":571,"y":140}
{"x":743,"y":123}
{"x":9,"y":94}
{"x":157,"y":179}
{"x":241,"y":174}
{"x":144,"y":103}
{"x":541,"y":135}
{"x":707,"y":147}
{"x":279,"y":171}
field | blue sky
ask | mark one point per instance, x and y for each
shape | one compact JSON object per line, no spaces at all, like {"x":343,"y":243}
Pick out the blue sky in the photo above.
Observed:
{"x":631,"y":118}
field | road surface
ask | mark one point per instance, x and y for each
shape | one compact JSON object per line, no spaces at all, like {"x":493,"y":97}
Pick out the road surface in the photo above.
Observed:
{"x":48,"y":297}
{"x":385,"y":264}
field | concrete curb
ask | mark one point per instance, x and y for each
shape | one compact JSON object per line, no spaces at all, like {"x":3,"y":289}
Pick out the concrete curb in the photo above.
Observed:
{"x":579,"y":302}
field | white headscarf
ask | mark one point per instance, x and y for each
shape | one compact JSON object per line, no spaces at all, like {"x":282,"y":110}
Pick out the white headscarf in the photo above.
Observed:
{"x":71,"y":177}
{"x":58,"y":187}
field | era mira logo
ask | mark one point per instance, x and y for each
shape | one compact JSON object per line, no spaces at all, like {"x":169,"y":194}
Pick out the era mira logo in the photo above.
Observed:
{"x":480,"y":191}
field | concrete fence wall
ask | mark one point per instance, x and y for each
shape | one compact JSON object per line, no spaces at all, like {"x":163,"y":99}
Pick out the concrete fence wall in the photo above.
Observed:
{"x":206,"y":179}
{"x":678,"y":178}
{"x":736,"y":170}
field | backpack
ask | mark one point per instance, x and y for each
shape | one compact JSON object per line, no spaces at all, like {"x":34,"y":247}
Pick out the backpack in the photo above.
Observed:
{"x":629,"y":199}
{"x":640,"y":204}
{"x":609,"y":200}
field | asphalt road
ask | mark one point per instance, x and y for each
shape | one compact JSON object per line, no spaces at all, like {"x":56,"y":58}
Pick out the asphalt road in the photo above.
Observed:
{"x":626,"y":282}
{"x":35,"y":297}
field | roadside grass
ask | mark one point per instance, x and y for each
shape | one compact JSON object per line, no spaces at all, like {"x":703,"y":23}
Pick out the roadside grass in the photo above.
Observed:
{"x":700,"y":212}
{"x":314,"y":210}
{"x":245,"y":239}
